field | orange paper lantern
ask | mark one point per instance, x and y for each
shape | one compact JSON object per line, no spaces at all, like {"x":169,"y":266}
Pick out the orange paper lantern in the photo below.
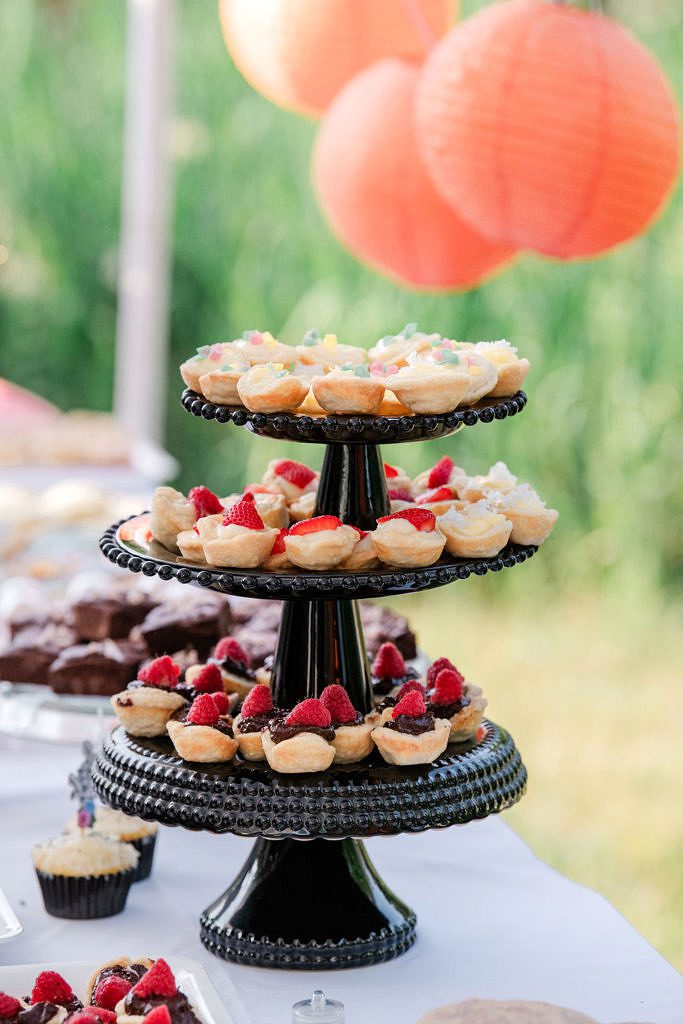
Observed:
{"x":548,"y":127}
{"x":299,"y":53}
{"x":376,"y":193}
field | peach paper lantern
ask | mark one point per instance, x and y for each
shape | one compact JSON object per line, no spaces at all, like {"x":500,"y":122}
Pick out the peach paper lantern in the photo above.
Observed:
{"x":548,"y":127}
{"x":299,"y":53}
{"x":376,"y":193}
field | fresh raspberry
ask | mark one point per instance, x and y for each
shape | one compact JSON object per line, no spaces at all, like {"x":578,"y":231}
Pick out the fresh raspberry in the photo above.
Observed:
{"x":412,"y":706}
{"x":229,"y":649}
{"x":294,"y":472}
{"x":278,"y":547}
{"x":440,"y":473}
{"x":388,"y":663}
{"x":438,"y":494}
{"x":91,"y":1015}
{"x":9,"y":1006}
{"x":390,"y":472}
{"x":309,"y":712}
{"x":50,"y":987}
{"x":421,"y":518}
{"x":110,"y":991}
{"x":159,"y":1015}
{"x":436,"y":667}
{"x":336,"y":700}
{"x":222,"y":702}
{"x":315,"y":525}
{"x":162,"y":671}
{"x":400,"y":494}
{"x":258,"y":701}
{"x":412,"y":686}
{"x":205,"y":502}
{"x":203,"y":712}
{"x":209,"y":680}
{"x":448,"y":687}
{"x":158,"y":980}
{"x":243,"y":513}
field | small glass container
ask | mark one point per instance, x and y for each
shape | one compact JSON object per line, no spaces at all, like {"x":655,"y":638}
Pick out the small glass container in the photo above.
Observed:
{"x":318,"y":1010}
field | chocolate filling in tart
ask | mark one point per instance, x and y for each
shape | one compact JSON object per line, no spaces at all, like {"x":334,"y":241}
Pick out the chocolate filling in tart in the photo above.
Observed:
{"x":280,"y":731}
{"x":255,"y":723}
{"x":185,"y":690}
{"x":224,"y":723}
{"x":358,"y":720}
{"x":413,"y":726}
{"x":448,"y":710}
{"x":131,"y":973}
{"x":384,"y":685}
{"x":235,"y":668}
{"x":178,"y":1006}
{"x":42,"y":1013}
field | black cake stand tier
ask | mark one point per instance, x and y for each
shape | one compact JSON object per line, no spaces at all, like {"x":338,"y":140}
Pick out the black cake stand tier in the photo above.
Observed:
{"x":314,"y":904}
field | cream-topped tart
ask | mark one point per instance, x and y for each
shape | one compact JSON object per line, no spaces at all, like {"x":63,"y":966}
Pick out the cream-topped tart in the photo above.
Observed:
{"x":431,"y":387}
{"x":408,"y":539}
{"x":474,"y":530}
{"x":531,"y":521}
{"x":499,"y":480}
{"x":292,"y":479}
{"x":258,"y":347}
{"x":326,"y":352}
{"x":349,"y":389}
{"x":320,"y":543}
{"x":173,"y":513}
{"x":443,"y":474}
{"x":395,"y":348}
{"x":206,"y":359}
{"x":271,"y":387}
{"x":239,"y":539}
{"x":512,"y":370}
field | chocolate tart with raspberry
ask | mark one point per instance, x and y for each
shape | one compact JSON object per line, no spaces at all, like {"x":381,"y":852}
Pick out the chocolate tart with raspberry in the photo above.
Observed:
{"x":451,"y":697}
{"x":147,"y":703}
{"x":389,"y":672}
{"x":156,"y":988}
{"x":352,"y":730}
{"x":206,"y":679}
{"x":51,"y":1000}
{"x":10,"y":1008}
{"x":235,"y":666}
{"x":412,"y":735}
{"x":114,"y":979}
{"x":301,"y":741}
{"x":382,"y":712}
{"x":256,"y":713}
{"x":203,"y":732}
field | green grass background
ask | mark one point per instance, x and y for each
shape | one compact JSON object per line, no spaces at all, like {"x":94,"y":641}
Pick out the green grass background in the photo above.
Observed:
{"x":579,"y":651}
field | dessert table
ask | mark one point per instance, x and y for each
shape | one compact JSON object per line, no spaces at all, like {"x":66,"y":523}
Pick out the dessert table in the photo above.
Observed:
{"x":493,"y":920}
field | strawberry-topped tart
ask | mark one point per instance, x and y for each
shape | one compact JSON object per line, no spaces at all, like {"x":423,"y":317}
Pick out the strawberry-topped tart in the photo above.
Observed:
{"x":114,"y":979}
{"x":174,"y":514}
{"x":320,"y":543}
{"x":412,"y":735}
{"x":352,"y":731}
{"x":51,"y":1000}
{"x":443,"y":474}
{"x":397,"y":478}
{"x":409,"y":538}
{"x":270,"y":504}
{"x":235,"y":666}
{"x":389,"y":672}
{"x":255,"y":714}
{"x":290,"y":478}
{"x":156,"y":988}
{"x":300,"y":741}
{"x":450,"y":696}
{"x":363,"y":555}
{"x":148,"y":702}
{"x":239,"y":538}
{"x":203,"y":731}
{"x":438,"y":500}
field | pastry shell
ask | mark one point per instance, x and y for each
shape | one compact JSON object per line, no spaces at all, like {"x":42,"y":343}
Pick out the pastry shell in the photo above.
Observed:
{"x":305,"y":752}
{"x":290,"y":490}
{"x":481,"y":545}
{"x":149,"y":709}
{"x":323,"y":550}
{"x":342,"y":393}
{"x":482,"y":377}
{"x":201,"y":743}
{"x":271,"y":394}
{"x":353,"y":742}
{"x":194,"y":368}
{"x":426,"y":389}
{"x":121,"y":961}
{"x":464,"y":723}
{"x":398,"y":543}
{"x":362,"y":557}
{"x":250,"y":743}
{"x":531,"y":521}
{"x":303,"y":507}
{"x":511,"y":377}
{"x":220,"y":386}
{"x":420,"y":484}
{"x":172,"y":513}
{"x":402,"y":748}
{"x":234,"y":546}
{"x":392,"y":407}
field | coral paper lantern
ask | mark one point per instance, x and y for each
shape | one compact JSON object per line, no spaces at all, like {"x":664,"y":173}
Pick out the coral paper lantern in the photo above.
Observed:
{"x":299,"y":53}
{"x":376,"y":193}
{"x":548,"y":127}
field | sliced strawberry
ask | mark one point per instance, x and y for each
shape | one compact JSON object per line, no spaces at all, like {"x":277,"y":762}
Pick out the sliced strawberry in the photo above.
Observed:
{"x":336,"y":700}
{"x":229,"y":649}
{"x":438,"y":494}
{"x":50,"y":987}
{"x":400,"y":494}
{"x":278,"y":547}
{"x":315,"y":525}
{"x":159,"y":1015}
{"x":448,"y":687}
{"x":440,"y":473}
{"x":388,"y":663}
{"x":390,"y":472}
{"x":243,"y":513}
{"x":309,"y":712}
{"x":222,"y":702}
{"x":412,"y":686}
{"x":92,"y":1015}
{"x":162,"y":671}
{"x":258,"y":701}
{"x":158,"y":980}
{"x":294,"y":472}
{"x":421,"y":518}
{"x":110,"y":991}
{"x":209,"y":680}
{"x":205,"y":502}
{"x":9,"y":1006}
{"x":203,"y":711}
{"x":436,"y":667}
{"x":412,"y":706}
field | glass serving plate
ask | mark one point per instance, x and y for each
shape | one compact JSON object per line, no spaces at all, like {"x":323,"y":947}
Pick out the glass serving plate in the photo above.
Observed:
{"x":33,"y":712}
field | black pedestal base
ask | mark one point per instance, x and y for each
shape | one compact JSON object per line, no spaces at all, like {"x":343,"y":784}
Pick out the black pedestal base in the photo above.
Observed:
{"x":315,"y":905}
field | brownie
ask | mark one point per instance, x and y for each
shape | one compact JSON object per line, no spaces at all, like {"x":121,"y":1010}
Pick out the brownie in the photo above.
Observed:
{"x":28,"y":656}
{"x":257,"y":643}
{"x":244,"y":608}
{"x":197,"y":623}
{"x":381,"y":624}
{"x":102,"y":667}
{"x":31,"y":622}
{"x":112,"y":617}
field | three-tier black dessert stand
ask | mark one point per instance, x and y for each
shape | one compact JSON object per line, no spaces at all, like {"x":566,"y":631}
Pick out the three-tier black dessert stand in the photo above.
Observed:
{"x":308,"y":896}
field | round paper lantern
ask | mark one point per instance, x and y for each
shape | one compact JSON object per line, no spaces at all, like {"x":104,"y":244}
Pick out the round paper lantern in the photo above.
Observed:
{"x":548,"y":127}
{"x":299,"y":53}
{"x":374,"y":189}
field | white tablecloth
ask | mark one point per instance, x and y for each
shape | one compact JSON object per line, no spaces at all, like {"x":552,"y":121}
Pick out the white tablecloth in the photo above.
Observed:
{"x":493,"y":920}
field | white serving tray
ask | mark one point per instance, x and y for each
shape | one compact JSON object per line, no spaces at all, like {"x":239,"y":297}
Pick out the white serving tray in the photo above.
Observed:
{"x":9,"y":923}
{"x":191,"y":977}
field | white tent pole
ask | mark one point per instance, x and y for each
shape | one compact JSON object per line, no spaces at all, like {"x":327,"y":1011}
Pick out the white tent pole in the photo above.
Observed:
{"x":144,"y":250}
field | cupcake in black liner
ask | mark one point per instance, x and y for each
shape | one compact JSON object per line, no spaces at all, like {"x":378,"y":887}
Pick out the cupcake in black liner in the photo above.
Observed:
{"x":84,"y":874}
{"x":126,"y":829}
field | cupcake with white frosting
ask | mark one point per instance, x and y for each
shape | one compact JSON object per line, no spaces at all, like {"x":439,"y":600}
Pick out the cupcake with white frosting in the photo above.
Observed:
{"x":83,"y":874}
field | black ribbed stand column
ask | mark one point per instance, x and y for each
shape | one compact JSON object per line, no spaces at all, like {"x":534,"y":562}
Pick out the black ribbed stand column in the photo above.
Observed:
{"x":352,"y":485}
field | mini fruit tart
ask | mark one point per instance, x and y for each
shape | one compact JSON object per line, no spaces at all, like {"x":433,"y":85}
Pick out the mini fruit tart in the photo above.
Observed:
{"x":363,"y":555}
{"x":278,"y":557}
{"x":300,"y":741}
{"x":51,"y":1001}
{"x":408,"y":539}
{"x":352,"y":730}
{"x":219,"y":385}
{"x":157,"y":998}
{"x":11,"y":1008}
{"x":148,"y":702}
{"x":461,"y":703}
{"x":320,"y":543}
{"x":531,"y":521}
{"x":303,"y":507}
{"x":203,"y":731}
{"x":349,"y":389}
{"x":258,"y":347}
{"x":270,"y":505}
{"x":395,"y":348}
{"x":512,"y":370}
{"x":482,"y":374}
{"x":327,"y":352}
{"x":427,"y":387}
{"x":439,"y":500}
{"x":209,"y":678}
{"x":397,"y":478}
{"x":474,"y":530}
{"x":235,"y":666}
{"x":240,"y":539}
{"x":383,"y":711}
{"x":412,"y":735}
{"x":255,"y":714}
{"x":389,"y":672}
{"x":444,"y":474}
{"x":292,"y":479}
{"x":114,"y":979}
{"x":173,"y":513}
{"x":499,"y":480}
{"x":270,"y":387}
{"x":206,"y":359}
